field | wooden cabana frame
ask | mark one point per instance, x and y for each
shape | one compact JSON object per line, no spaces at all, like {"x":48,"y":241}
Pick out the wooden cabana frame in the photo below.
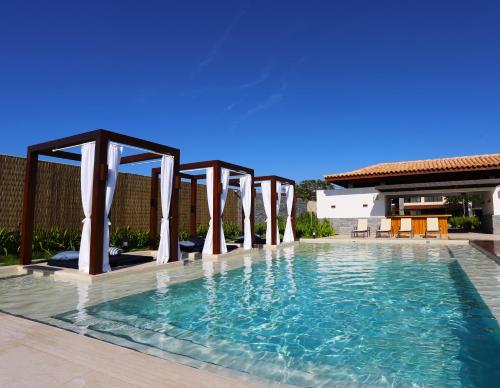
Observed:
{"x":102,"y":138}
{"x":274,"y":199}
{"x":194,"y":178}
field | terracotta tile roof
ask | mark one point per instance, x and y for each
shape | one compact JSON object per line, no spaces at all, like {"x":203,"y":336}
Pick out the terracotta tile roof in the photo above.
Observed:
{"x":461,"y":163}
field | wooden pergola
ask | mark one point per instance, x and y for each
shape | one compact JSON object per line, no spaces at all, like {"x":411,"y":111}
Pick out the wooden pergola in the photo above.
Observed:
{"x":274,"y":199}
{"x":194,"y":178}
{"x":101,"y":137}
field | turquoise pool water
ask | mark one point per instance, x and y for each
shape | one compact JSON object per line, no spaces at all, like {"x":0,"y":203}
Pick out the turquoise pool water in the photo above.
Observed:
{"x":320,"y":315}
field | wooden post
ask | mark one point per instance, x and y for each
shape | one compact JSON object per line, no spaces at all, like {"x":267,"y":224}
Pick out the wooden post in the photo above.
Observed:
{"x":294,"y":213}
{"x":28,"y":212}
{"x":242,"y":217}
{"x":98,"y":199}
{"x":252,"y":210}
{"x":216,"y":220}
{"x":192,"y":208}
{"x":174,"y":212}
{"x":273,"y":211}
{"x":153,"y":211}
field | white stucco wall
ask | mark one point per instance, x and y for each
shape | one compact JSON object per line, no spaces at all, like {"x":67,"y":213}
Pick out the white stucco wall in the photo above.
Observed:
{"x":349,"y":203}
{"x":496,"y":201}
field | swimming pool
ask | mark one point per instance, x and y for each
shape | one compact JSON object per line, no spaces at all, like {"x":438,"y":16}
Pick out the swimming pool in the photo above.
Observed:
{"x":307,"y":315}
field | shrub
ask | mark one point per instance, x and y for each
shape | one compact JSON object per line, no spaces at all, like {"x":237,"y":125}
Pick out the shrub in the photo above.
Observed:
{"x":260,"y":229}
{"x":464,"y":222}
{"x":45,"y":242}
{"x":231,"y":230}
{"x":9,"y":242}
{"x":202,"y":230}
{"x":136,"y":238}
{"x":309,"y":226}
{"x":281,"y":225}
{"x":183,"y":235}
{"x":55,"y":240}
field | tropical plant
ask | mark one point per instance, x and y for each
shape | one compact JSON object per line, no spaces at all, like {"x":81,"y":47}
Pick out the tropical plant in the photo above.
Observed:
{"x":309,"y":226}
{"x":231,"y":230}
{"x":465,"y":222}
{"x":201,"y":230}
{"x":306,"y":189}
{"x":260,"y":229}
{"x":135,"y":238}
{"x":183,"y":235}
{"x":54,"y":240}
{"x":281,"y":224}
{"x":9,"y":242}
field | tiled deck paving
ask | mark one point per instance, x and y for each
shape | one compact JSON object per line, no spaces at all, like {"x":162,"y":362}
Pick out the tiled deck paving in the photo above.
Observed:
{"x":36,"y":355}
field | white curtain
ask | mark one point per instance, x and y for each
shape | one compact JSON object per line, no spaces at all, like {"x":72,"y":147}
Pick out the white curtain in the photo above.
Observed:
{"x":86,"y":183}
{"x":114,"y":155}
{"x":166,"y":183}
{"x":278,"y":203}
{"x":224,"y":178}
{"x":288,"y":236}
{"x":266,"y":199}
{"x":207,"y":247}
{"x":246,"y":201}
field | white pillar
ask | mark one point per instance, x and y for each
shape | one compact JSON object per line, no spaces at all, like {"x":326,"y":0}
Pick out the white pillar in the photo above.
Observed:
{"x":496,"y":201}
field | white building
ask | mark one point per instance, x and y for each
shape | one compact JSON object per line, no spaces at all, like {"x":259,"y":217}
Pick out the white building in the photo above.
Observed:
{"x":413,"y":188}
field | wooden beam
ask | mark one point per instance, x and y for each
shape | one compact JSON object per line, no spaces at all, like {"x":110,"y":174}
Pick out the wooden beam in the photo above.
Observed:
{"x":216,"y":220}
{"x":140,"y":158}
{"x":275,"y":177}
{"x":62,"y":155}
{"x":28,"y":211}
{"x":192,"y":208}
{"x":252,"y":210}
{"x":153,"y":211}
{"x":492,"y":182}
{"x":141,"y":143}
{"x":274,"y":199}
{"x":69,"y":141}
{"x":174,"y":213}
{"x":98,"y":200}
{"x":294,"y":214}
{"x":212,"y":163}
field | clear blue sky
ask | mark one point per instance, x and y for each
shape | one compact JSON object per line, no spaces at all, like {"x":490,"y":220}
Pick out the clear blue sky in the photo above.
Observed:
{"x":295,"y":88}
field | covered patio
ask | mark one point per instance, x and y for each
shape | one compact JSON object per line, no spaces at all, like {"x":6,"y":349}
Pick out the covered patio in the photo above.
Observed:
{"x":415,"y":188}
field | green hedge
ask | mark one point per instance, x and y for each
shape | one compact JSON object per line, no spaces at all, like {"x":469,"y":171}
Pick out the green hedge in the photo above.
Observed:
{"x":464,"y":222}
{"x":308,"y":224}
{"x":50,"y":241}
{"x":232,"y":230}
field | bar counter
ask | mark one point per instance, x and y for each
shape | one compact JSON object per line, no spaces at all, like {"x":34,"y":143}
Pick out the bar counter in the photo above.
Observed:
{"x":419,"y":223}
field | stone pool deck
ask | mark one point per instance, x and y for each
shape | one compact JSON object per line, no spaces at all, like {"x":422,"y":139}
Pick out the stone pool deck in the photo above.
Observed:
{"x":36,"y":355}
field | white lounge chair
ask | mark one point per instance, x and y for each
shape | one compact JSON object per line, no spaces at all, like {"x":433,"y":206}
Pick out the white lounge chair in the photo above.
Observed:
{"x":405,"y":227}
{"x":362,"y":228}
{"x":384,"y":227}
{"x":432,"y":227}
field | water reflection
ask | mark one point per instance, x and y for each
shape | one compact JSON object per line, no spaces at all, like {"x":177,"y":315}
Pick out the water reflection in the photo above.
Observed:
{"x":288,"y":254}
{"x":82,"y":316}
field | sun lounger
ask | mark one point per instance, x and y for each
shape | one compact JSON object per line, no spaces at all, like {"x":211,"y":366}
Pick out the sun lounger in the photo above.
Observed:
{"x":362,"y":228}
{"x":384,"y":227}
{"x":432,"y":227}
{"x":405,"y":227}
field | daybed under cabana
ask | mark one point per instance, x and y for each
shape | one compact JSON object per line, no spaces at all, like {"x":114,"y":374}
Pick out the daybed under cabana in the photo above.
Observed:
{"x":100,"y":157}
{"x":272,"y":187}
{"x":218,"y":180}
